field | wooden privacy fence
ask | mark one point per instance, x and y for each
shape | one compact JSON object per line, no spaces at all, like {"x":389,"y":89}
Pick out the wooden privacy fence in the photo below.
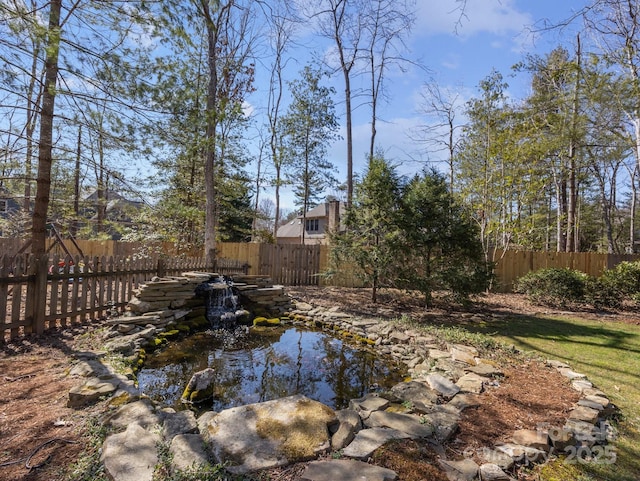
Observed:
{"x":306,"y":265}
{"x":511,"y":265}
{"x":287,"y":264}
{"x":99,"y":248}
{"x":52,"y":291}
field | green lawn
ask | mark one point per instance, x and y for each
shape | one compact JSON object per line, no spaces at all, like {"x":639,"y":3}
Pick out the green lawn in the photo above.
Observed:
{"x":609,"y":354}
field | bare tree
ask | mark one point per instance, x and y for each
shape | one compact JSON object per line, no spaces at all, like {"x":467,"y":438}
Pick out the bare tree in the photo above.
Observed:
{"x":282,"y":23}
{"x":440,"y":134}
{"x":342,"y":22}
{"x":616,"y":26}
{"x":387,"y":24}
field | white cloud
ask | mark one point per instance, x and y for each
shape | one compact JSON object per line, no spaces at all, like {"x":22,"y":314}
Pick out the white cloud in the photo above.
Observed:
{"x":248,"y":108}
{"x":499,"y":17}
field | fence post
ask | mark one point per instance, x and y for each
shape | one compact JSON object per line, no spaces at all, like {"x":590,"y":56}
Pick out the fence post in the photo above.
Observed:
{"x":162,"y":268}
{"x":37,"y":292}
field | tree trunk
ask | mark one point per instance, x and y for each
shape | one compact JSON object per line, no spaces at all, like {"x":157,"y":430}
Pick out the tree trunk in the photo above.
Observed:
{"x":76,"y":186}
{"x":102,"y":193}
{"x":45,"y":148}
{"x":573,"y":189}
{"x":347,"y":98}
{"x":211,"y":191}
{"x":30,"y":127}
{"x":632,"y":213}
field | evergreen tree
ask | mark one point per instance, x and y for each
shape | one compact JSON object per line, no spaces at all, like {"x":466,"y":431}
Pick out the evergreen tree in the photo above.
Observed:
{"x":370,"y":239}
{"x":309,"y":127}
{"x":236,"y":208}
{"x":439,"y":247}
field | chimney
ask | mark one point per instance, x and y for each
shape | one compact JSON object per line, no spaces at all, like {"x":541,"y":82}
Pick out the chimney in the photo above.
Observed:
{"x":334,"y":216}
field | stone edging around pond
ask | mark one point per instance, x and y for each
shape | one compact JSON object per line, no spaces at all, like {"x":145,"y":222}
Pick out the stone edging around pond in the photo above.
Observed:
{"x":445,"y":380}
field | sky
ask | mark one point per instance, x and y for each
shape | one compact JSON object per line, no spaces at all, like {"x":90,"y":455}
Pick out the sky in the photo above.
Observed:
{"x":458,"y":52}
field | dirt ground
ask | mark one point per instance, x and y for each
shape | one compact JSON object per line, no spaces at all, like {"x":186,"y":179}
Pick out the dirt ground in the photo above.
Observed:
{"x":40,"y":437}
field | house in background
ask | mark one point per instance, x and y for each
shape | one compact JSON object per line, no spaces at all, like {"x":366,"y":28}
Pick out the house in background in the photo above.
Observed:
{"x":9,"y":207}
{"x":8,"y":204}
{"x":318,"y":221}
{"x":118,"y":211}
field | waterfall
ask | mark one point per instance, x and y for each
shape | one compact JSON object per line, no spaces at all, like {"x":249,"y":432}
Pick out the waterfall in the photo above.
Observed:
{"x":220,"y":303}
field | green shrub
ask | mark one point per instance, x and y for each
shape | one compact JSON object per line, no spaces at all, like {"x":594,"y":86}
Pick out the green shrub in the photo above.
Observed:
{"x":554,"y":287}
{"x":625,"y":277}
{"x":602,"y":293}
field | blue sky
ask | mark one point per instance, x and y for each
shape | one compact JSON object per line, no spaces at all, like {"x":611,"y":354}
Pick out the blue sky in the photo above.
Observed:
{"x":493,"y":34}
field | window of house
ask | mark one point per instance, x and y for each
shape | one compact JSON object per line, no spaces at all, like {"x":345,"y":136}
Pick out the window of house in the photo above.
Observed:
{"x":3,"y":205}
{"x":312,"y":225}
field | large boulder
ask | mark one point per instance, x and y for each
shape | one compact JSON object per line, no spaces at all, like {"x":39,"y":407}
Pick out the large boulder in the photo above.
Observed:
{"x":269,"y":434}
{"x":200,"y":386}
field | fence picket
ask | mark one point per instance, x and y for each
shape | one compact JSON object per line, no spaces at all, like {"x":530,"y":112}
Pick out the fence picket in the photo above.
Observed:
{"x":5,"y":269}
{"x":16,"y":301}
{"x":55,"y":284}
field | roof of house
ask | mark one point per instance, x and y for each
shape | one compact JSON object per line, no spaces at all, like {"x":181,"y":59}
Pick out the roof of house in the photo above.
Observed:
{"x":320,"y":210}
{"x":293,"y":228}
{"x":290,"y":229}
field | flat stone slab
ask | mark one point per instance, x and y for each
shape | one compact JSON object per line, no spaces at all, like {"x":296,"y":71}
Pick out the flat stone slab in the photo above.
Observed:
{"x":493,"y":472}
{"x":346,"y":470}
{"x":521,"y":453}
{"x":181,"y":422}
{"x":370,"y":402}
{"x":188,"y":451}
{"x":531,"y":438}
{"x":131,"y":455}
{"x":438,"y":354}
{"x":349,"y":424}
{"x":443,"y":385}
{"x":416,"y":392}
{"x":464,"y":401}
{"x":472,"y":383}
{"x":91,"y":391}
{"x":485,"y":369}
{"x":90,"y":367}
{"x":581,"y":385}
{"x":463,"y":355}
{"x":444,"y":419}
{"x":602,"y":401}
{"x":465,"y":470}
{"x":571,"y":374}
{"x":584,"y":413}
{"x":141,"y":412}
{"x":368,"y":440}
{"x":407,"y":423}
{"x":492,"y":456}
{"x":269,"y":434}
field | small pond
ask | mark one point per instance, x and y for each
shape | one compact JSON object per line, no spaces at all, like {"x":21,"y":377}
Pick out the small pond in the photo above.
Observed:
{"x":266,"y":364}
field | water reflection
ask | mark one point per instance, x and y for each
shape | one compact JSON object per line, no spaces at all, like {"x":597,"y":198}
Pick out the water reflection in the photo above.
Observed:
{"x":267,"y":364}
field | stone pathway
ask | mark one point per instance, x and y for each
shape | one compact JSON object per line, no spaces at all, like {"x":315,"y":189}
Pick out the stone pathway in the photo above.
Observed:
{"x":444,"y":381}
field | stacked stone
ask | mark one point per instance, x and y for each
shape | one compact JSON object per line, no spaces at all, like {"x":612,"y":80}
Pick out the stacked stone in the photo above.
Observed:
{"x":167,"y":293}
{"x":158,"y":309}
{"x":164,"y":302}
{"x":257,"y":293}
{"x":274,"y":300}
{"x":158,"y":319}
{"x":258,"y":281}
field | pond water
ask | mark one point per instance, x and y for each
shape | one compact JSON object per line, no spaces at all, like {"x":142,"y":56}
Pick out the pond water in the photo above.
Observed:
{"x":266,"y":364}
